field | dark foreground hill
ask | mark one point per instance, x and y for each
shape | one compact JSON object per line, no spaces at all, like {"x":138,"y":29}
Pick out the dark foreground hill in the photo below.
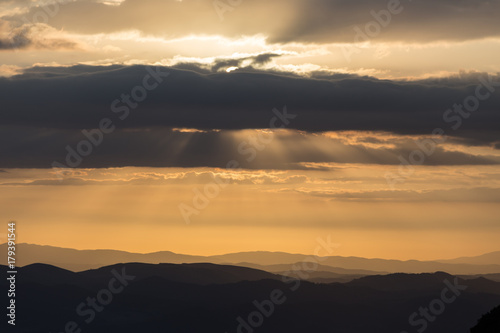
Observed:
{"x":193,"y":298}
{"x":489,"y":323}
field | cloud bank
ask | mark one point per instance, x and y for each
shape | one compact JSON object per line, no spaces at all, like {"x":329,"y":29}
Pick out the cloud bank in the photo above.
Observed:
{"x":283,"y":21}
{"x":77,"y":97}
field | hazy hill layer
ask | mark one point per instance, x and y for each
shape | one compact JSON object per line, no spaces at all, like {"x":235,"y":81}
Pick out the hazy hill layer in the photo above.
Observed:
{"x":78,"y":260}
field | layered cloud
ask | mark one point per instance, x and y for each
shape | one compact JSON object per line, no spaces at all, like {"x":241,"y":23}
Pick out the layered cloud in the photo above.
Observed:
{"x":390,"y":114}
{"x":78,"y":97}
{"x":388,"y":39}
{"x":29,"y":147}
{"x":45,"y":110}
{"x":479,"y":194}
{"x":34,"y":36}
{"x":168,"y":178}
{"x":319,"y":21}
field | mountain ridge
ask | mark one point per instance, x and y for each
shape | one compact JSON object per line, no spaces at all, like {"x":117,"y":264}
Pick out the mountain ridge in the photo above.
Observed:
{"x":80,"y":260}
{"x":191,"y":302}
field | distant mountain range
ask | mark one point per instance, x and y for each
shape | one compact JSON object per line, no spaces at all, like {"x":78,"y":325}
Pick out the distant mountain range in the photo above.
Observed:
{"x":485,"y":259}
{"x":182,"y":298}
{"x":79,"y":260}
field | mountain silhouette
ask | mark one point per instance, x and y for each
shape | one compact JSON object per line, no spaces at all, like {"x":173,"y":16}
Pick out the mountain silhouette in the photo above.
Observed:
{"x":182,"y":298}
{"x":484,"y":259}
{"x":79,"y":260}
{"x":489,"y":323}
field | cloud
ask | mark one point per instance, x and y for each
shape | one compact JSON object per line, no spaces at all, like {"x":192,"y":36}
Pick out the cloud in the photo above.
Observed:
{"x":34,"y":36}
{"x":79,"y":96}
{"x":479,"y":194}
{"x":14,"y":38}
{"x":308,"y":21}
{"x":30,"y":147}
{"x":198,"y":117}
{"x":174,"y":178}
{"x":7,"y":70}
{"x":257,"y":60}
{"x":421,"y":21}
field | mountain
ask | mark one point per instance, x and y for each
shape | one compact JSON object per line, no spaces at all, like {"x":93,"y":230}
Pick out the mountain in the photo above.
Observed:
{"x":79,"y":260}
{"x":492,"y":277}
{"x":409,"y":266}
{"x":299,"y":266}
{"x":489,"y":323}
{"x":492,"y":258}
{"x":219,"y":298}
{"x":321,"y":273}
{"x":202,"y":273}
{"x":418,"y":282}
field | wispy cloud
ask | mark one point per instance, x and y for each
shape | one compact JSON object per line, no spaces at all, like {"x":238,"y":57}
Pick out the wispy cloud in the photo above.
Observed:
{"x":34,"y":36}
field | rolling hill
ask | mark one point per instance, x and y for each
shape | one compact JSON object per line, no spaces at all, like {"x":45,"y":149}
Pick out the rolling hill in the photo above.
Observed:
{"x":78,"y":260}
{"x":210,"y":298}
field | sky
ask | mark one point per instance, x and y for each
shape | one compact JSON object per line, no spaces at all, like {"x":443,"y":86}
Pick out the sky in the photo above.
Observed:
{"x":209,"y":127}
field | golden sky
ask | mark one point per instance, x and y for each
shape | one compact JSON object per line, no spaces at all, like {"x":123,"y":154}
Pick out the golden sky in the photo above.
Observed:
{"x":175,"y":91}
{"x":436,"y":212}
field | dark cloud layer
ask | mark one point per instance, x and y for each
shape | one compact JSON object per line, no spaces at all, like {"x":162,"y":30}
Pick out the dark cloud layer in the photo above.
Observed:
{"x":78,"y":97}
{"x":411,"y":21}
{"x":260,"y":59}
{"x":45,"y":109}
{"x":161,"y":147}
